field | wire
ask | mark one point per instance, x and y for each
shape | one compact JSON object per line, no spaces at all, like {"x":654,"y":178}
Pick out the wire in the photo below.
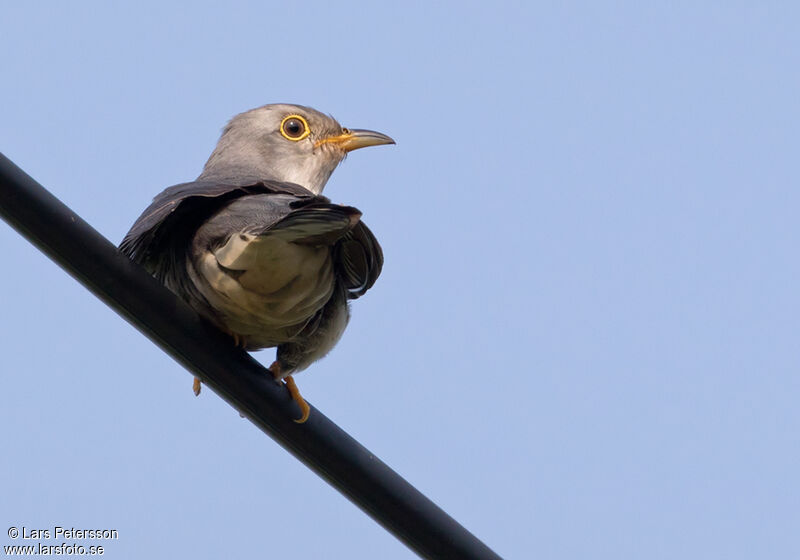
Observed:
{"x":208,"y":354}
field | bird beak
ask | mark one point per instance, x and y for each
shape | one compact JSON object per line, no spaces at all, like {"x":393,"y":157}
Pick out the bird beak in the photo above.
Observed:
{"x":353,"y":139}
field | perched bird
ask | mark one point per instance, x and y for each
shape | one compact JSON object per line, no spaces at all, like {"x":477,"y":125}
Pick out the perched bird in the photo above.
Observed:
{"x":254,"y":247}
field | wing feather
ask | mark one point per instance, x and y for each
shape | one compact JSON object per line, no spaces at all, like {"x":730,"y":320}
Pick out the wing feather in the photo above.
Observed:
{"x":161,"y":238}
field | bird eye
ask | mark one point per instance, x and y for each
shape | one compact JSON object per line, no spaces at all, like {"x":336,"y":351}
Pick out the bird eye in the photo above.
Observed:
{"x":294,"y":127}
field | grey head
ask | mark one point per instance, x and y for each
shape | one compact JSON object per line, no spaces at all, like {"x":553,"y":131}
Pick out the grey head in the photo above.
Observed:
{"x":288,"y":143}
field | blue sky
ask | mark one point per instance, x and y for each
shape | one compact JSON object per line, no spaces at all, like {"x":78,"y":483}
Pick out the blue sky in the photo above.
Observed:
{"x":584,"y":342}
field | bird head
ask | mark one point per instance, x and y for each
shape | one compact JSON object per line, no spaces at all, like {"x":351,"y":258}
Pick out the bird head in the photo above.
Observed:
{"x":288,"y":143}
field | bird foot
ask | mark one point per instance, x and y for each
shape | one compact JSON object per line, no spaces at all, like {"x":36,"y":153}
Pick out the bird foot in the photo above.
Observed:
{"x":291,"y":386}
{"x":305,"y":410}
{"x":239,"y":342}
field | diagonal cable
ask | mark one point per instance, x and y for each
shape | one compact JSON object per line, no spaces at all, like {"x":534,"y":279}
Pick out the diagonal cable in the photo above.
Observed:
{"x":239,"y":379}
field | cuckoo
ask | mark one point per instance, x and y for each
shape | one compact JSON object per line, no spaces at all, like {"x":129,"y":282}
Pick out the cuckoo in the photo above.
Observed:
{"x":254,"y":247}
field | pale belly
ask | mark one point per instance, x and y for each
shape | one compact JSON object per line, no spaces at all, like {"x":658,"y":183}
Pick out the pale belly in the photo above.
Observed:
{"x":265,"y":290}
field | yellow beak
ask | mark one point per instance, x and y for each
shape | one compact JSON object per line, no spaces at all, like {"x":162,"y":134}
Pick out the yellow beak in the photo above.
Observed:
{"x":353,"y":139}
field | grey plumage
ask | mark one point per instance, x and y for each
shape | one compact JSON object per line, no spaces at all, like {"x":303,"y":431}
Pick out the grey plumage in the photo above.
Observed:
{"x":254,"y":247}
{"x":251,"y":145}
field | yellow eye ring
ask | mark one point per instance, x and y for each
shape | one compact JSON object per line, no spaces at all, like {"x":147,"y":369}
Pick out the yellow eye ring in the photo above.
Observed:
{"x":294,"y":128}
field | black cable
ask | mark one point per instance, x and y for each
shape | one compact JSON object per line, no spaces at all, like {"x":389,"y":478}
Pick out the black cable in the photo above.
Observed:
{"x":319,"y":443}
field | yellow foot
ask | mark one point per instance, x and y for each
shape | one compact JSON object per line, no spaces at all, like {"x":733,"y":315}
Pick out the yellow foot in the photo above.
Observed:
{"x":196,"y":386}
{"x":298,"y":398}
{"x":305,"y":410}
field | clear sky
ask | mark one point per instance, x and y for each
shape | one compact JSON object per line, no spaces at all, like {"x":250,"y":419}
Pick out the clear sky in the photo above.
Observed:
{"x":585,"y":342}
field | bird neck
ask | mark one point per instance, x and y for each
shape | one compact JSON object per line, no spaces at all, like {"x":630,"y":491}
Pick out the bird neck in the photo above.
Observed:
{"x":241,"y":165}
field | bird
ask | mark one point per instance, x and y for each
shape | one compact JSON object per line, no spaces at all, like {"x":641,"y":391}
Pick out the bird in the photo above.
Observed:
{"x":254,"y":247}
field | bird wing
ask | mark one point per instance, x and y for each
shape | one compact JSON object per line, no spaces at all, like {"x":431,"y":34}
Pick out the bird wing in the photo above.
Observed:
{"x":184,"y":207}
{"x":359,"y":260}
{"x":161,"y":238}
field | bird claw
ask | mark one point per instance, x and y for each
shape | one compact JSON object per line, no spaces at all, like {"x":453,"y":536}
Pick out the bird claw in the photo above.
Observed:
{"x":291,"y":386}
{"x":305,"y":410}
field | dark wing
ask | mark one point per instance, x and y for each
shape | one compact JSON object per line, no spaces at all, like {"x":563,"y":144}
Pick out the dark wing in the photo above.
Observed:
{"x":359,"y":260}
{"x":160,"y":239}
{"x":184,"y":207}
